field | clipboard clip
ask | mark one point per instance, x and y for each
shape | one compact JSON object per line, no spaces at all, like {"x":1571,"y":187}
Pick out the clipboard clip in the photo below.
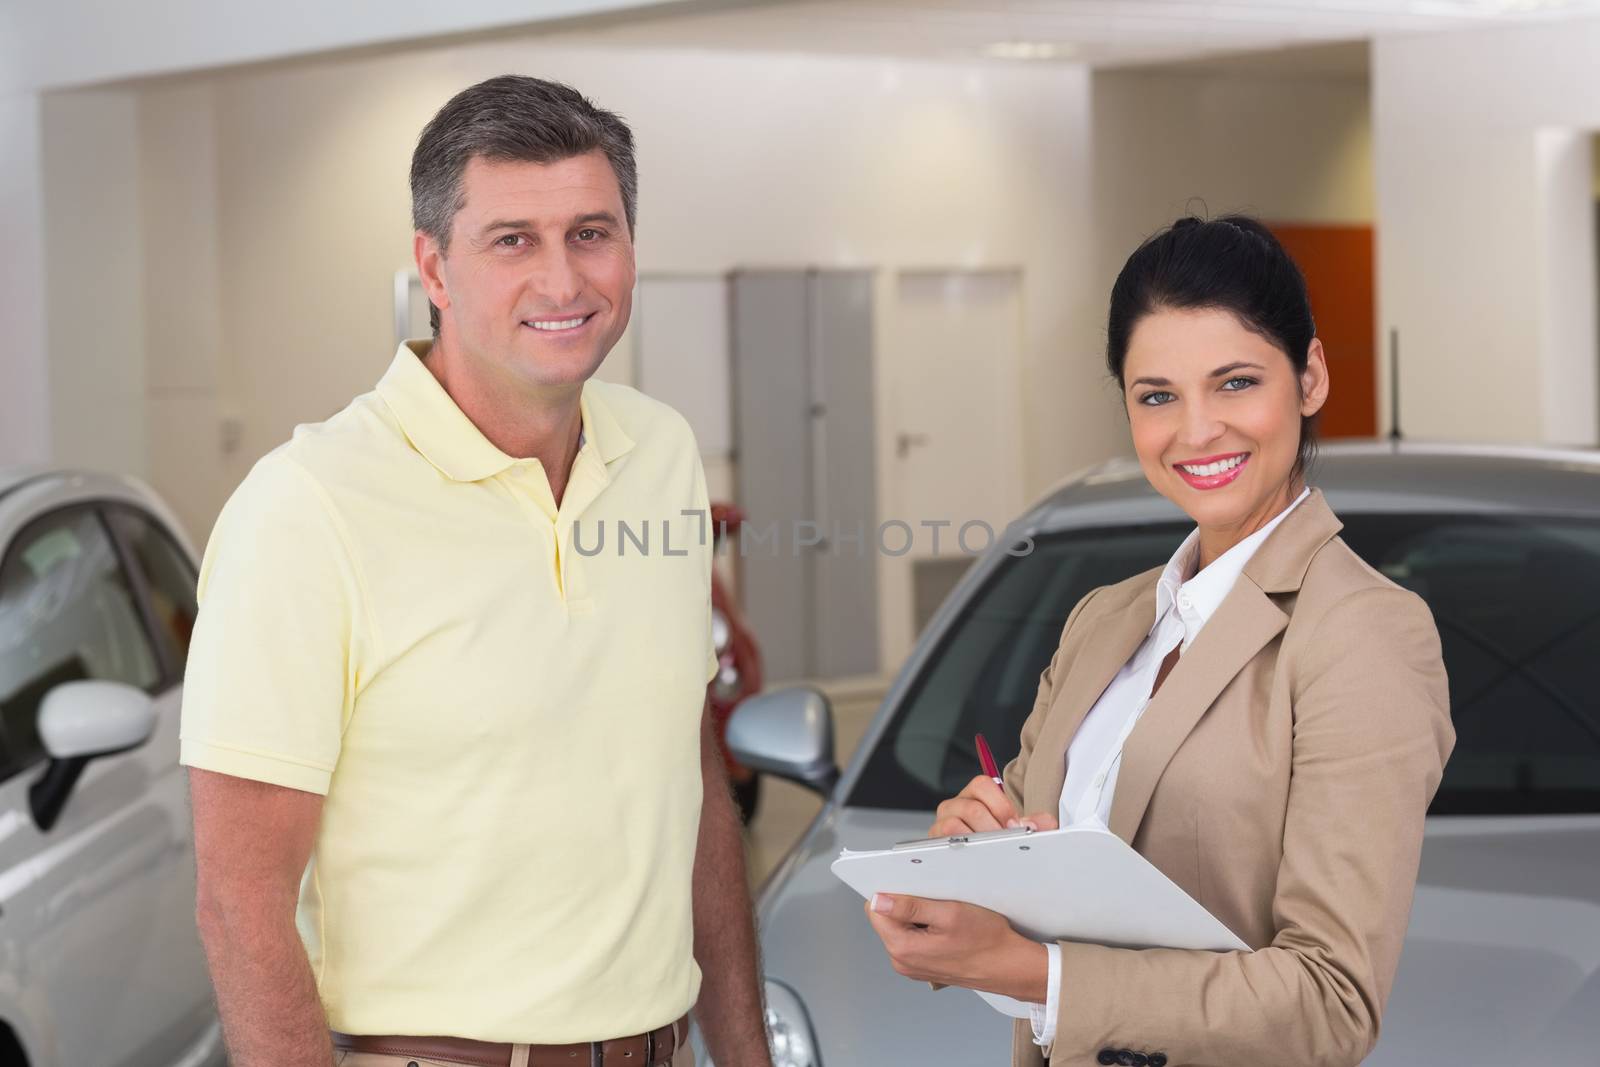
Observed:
{"x":957,"y":840}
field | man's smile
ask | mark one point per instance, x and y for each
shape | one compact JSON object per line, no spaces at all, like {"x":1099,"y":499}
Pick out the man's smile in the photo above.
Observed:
{"x":564,"y":325}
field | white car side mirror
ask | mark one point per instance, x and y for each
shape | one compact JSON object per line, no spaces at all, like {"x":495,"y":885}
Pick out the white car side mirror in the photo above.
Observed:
{"x":77,"y":722}
{"x":789,"y":733}
{"x":87,"y":719}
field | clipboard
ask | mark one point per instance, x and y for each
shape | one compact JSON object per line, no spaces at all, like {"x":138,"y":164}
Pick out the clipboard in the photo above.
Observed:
{"x":1083,"y":883}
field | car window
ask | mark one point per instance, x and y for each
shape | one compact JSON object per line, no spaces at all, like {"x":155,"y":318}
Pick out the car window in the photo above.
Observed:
{"x":169,"y":577}
{"x":985,"y":673}
{"x":1516,"y":600}
{"x":66,"y":613}
{"x":1517,"y":603}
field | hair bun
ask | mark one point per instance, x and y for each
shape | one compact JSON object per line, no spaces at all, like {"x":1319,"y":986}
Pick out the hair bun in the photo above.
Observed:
{"x":1186,"y":222}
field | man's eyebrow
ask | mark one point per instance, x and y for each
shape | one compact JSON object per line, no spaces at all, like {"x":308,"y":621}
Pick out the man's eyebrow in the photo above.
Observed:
{"x":507,"y":224}
{"x":527,"y":224}
{"x":1218,"y":373}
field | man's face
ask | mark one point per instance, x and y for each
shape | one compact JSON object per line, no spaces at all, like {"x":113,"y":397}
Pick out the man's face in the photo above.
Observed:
{"x":537,"y":284}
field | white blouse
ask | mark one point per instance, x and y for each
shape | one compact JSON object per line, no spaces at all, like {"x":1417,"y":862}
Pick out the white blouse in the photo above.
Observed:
{"x":1183,"y":606}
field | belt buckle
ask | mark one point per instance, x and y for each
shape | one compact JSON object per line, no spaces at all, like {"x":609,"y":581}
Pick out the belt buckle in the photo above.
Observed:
{"x":649,"y":1048}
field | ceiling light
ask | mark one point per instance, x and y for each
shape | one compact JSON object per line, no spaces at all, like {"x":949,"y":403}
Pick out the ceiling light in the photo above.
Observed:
{"x":1028,"y":50}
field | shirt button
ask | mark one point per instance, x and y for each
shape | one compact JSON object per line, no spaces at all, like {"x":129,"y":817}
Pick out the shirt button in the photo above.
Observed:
{"x":1184,"y":602}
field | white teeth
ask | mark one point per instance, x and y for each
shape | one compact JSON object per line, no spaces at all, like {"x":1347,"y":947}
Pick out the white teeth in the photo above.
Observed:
{"x":564,"y":324}
{"x":1213,"y":468}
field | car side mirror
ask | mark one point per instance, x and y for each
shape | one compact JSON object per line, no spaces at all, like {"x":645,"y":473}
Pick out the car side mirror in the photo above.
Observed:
{"x":81,"y":721}
{"x":788,"y":733}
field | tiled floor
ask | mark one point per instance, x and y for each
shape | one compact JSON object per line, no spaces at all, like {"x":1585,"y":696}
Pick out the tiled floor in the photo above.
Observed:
{"x":786,"y":809}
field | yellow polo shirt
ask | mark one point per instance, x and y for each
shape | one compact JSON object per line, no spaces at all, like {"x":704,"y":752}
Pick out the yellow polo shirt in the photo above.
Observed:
{"x":500,"y":699}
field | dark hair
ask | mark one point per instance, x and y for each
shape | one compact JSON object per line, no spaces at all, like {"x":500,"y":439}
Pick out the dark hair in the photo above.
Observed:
{"x":1233,"y":264}
{"x":511,"y":118}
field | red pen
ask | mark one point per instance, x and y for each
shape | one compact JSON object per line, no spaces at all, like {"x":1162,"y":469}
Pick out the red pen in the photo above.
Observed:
{"x":986,"y":758}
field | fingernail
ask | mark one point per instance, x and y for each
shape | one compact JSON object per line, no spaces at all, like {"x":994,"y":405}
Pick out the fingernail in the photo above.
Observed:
{"x":880,"y":902}
{"x":1028,"y":824}
{"x":1012,"y":824}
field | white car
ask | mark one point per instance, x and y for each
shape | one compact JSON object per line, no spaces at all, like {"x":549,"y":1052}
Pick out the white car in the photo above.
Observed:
{"x":100,"y":963}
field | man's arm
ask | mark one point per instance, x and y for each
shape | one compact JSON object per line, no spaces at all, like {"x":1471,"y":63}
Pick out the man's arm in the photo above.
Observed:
{"x":729,"y":1010}
{"x":252,"y":841}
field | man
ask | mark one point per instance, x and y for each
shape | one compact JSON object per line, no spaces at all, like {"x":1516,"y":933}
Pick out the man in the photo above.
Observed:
{"x":454,"y":794}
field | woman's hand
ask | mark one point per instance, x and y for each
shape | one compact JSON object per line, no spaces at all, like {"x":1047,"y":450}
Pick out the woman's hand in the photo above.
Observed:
{"x":959,"y":944}
{"x":983,"y":806}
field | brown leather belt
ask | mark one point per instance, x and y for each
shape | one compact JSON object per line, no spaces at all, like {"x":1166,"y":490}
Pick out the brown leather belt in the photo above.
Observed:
{"x":654,"y":1049}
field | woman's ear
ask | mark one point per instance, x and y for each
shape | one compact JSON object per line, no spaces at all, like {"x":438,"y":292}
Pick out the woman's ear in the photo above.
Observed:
{"x":1314,"y":379}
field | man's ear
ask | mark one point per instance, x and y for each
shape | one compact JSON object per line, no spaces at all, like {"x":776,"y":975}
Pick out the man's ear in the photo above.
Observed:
{"x":430,"y":268}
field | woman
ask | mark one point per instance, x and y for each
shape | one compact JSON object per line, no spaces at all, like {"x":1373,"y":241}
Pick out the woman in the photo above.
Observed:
{"x":1265,"y":719}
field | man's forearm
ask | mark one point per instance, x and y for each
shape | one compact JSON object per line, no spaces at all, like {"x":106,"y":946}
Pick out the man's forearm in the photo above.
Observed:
{"x":266,"y":994}
{"x":729,"y":1010}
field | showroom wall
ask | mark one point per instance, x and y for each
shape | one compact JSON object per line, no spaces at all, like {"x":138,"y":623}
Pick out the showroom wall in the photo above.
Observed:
{"x":1286,"y":147}
{"x":94,"y":281}
{"x":25,"y":401}
{"x":190,"y":415}
{"x":1486,"y":250}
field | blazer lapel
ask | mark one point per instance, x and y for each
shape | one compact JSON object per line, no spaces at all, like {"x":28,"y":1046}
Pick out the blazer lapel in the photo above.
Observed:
{"x":1108,"y":642}
{"x":1245,"y":622}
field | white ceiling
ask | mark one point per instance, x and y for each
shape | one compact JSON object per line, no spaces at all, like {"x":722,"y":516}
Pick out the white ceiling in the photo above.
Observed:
{"x":1097,"y":32}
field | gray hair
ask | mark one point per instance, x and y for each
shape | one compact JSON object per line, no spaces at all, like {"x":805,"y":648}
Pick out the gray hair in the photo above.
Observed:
{"x":512,"y":118}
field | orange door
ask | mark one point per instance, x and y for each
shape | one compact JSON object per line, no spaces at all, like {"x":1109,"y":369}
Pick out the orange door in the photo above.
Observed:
{"x":1337,"y":262}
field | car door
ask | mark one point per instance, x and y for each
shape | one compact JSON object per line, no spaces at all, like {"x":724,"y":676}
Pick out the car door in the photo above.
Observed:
{"x":81,"y":904}
{"x":178,"y":1007}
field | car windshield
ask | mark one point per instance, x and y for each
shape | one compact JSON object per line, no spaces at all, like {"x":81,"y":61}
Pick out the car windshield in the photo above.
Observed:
{"x":1516,"y":600}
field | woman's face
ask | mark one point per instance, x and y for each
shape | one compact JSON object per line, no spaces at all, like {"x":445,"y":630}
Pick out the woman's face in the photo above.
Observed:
{"x":1215,"y":411}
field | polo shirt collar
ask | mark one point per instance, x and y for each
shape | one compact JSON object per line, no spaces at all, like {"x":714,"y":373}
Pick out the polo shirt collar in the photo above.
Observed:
{"x":444,"y":435}
{"x":600,"y":425}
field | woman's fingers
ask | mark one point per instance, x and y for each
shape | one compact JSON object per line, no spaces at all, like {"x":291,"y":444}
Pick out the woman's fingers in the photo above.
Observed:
{"x":903,"y":909}
{"x":939,"y":940}
{"x":968,"y":814}
{"x":983,"y":789}
{"x":1042,"y":820}
{"x":980,"y":807}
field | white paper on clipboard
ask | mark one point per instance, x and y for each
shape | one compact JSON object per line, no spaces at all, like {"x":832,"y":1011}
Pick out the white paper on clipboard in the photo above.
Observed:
{"x":1083,"y":883}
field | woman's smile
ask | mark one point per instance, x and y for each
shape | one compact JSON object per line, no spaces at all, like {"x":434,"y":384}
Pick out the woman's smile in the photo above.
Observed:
{"x":1212,"y":472}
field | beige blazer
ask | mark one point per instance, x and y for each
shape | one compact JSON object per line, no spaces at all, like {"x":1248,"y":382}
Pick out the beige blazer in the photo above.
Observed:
{"x":1280,"y":775}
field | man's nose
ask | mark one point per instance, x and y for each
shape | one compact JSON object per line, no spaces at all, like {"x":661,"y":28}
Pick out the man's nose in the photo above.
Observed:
{"x":557,"y":279}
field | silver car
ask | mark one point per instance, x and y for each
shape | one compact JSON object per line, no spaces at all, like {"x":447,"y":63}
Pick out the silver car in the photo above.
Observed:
{"x":1502,"y":960}
{"x":100,"y":964}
